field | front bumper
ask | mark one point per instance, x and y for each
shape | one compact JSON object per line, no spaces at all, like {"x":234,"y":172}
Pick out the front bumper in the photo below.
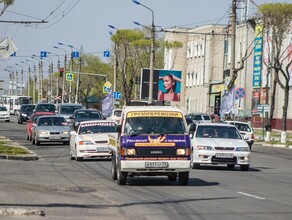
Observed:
{"x":48,"y":138}
{"x":93,"y":151}
{"x":211,"y":157}
{"x":140,"y":166}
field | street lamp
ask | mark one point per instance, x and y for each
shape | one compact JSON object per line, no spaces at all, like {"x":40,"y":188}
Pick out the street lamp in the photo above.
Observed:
{"x":40,"y":96}
{"x":11,"y":79}
{"x":34,"y":80}
{"x":152,"y":52}
{"x":63,"y":77}
{"x":57,"y":79}
{"x":21,"y":87}
{"x":50,"y":71}
{"x":16,"y":89}
{"x":115,"y":60}
{"x":28,"y":81}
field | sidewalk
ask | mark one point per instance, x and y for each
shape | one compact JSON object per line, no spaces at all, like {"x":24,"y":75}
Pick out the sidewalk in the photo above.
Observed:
{"x":30,"y":156}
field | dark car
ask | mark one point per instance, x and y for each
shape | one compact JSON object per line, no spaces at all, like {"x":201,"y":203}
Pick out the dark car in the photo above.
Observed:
{"x":84,"y":115}
{"x":24,"y":113}
{"x":45,"y":107}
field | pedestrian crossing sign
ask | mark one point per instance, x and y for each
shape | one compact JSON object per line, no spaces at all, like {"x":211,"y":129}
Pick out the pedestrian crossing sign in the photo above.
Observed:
{"x":69,"y":77}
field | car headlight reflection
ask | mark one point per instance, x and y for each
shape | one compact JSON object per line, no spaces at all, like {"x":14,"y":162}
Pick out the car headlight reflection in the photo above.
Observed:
{"x":242,"y":149}
{"x":65,"y":132}
{"x":202,"y":147}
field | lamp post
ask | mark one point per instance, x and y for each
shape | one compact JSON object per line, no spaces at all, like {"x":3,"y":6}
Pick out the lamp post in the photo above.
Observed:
{"x":34,"y":81}
{"x":152,"y":52}
{"x":10,"y":80}
{"x":57,"y":92}
{"x":28,"y":81}
{"x":40,"y":95}
{"x":115,"y":60}
{"x":21,"y":80}
{"x":16,"y":82}
{"x":63,"y":77}
{"x":48,"y":93}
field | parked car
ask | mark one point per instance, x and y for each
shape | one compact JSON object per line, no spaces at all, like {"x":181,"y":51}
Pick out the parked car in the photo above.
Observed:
{"x":24,"y":113}
{"x":51,"y":128}
{"x":67,"y":110}
{"x":115,"y":115}
{"x":32,"y":120}
{"x":4,"y":114}
{"x":91,"y":140}
{"x":84,"y":115}
{"x":219,"y":143}
{"x":45,"y":107}
{"x":245,"y":130}
{"x":200,"y":117}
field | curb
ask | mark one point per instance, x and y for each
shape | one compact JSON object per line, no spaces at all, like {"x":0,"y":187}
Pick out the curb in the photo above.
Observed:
{"x":275,"y":145}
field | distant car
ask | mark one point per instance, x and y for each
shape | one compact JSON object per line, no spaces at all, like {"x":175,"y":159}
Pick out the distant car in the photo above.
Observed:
{"x":45,"y":107}
{"x":67,"y":110}
{"x":4,"y":114}
{"x":32,"y":120}
{"x":91,"y":140}
{"x":51,"y":128}
{"x":219,"y":143}
{"x":115,"y":115}
{"x":245,"y":130}
{"x":200,"y":117}
{"x":84,"y":115}
{"x":24,"y":113}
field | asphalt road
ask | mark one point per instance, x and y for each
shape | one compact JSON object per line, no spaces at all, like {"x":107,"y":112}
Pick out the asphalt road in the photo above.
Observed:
{"x":63,"y":189}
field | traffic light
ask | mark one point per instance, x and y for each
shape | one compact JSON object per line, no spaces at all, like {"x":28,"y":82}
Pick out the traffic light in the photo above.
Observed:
{"x":61,"y":72}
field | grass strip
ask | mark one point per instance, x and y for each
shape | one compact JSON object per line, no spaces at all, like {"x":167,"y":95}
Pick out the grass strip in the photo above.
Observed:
{"x":11,"y":150}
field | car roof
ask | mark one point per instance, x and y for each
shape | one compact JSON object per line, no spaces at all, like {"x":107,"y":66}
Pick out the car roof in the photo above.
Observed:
{"x":94,"y":121}
{"x":215,"y":124}
{"x":68,"y":104}
{"x":51,"y":116}
{"x":237,"y":122}
{"x":44,"y":113}
{"x":150,"y":108}
{"x":87,"y":110}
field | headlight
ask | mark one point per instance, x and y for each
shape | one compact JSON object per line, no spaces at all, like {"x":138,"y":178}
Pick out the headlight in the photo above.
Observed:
{"x":242,"y":149}
{"x":43,"y":132}
{"x":24,"y":115}
{"x":65,"y":132}
{"x":202,"y":147}
{"x":128,"y":152}
{"x":183,"y":152}
{"x":86,"y":143}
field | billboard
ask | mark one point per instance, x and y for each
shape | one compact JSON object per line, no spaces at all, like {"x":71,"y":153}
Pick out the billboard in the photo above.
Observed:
{"x":166,"y":85}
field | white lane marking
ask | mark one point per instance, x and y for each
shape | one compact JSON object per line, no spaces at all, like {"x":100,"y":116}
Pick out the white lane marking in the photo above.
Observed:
{"x":253,"y":196}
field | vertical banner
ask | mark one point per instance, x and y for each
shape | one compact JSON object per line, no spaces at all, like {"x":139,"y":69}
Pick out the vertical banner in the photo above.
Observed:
{"x":227,"y":103}
{"x":257,"y":65}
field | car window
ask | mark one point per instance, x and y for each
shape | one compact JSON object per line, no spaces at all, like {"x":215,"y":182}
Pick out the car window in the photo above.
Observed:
{"x":100,"y":127}
{"x":243,"y":127}
{"x":3,"y":108}
{"x":69,"y":109}
{"x":53,"y":121}
{"x":117,"y":113}
{"x":206,"y":117}
{"x":217,"y":132}
{"x":197,"y":117}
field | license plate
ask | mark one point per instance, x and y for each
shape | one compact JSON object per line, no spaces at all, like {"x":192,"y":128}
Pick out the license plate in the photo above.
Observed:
{"x":55,"y":137}
{"x":102,"y":149}
{"x":156,"y":164}
{"x":224,"y":155}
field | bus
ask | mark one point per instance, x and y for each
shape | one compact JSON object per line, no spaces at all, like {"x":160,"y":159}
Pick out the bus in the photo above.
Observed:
{"x":13,"y":102}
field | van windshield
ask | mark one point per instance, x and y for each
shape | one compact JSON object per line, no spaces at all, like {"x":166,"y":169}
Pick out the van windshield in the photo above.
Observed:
{"x":69,"y":110}
{"x":154,"y":125}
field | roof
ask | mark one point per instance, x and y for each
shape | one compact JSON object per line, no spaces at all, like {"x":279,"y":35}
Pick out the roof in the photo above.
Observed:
{"x":69,"y":104}
{"x":151,"y":108}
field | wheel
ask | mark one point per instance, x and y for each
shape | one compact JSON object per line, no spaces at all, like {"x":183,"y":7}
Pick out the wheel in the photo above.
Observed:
{"x":172,"y":177}
{"x":230,"y":166}
{"x":71,"y":156}
{"x":37,"y":143}
{"x":79,"y":158}
{"x":183,"y":178}
{"x":244,"y":167}
{"x":7,"y":120}
{"x":196,"y":166}
{"x":114,"y":168}
{"x":121,"y":176}
{"x":33,"y":141}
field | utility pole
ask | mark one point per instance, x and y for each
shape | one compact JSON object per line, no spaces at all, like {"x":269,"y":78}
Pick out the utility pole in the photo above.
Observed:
{"x":233,"y":31}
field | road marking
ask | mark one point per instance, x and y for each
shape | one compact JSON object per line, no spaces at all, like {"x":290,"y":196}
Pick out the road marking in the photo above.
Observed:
{"x":253,"y":196}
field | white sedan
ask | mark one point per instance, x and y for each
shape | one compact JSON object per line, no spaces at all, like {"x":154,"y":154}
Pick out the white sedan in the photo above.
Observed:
{"x":90,"y":140}
{"x":216,"y":143}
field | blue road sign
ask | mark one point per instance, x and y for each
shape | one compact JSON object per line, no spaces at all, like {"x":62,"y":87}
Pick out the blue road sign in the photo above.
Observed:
{"x":69,"y":76}
{"x":240,"y":93}
{"x":75,"y":54}
{"x":106,"y":53}
{"x":117,"y":95}
{"x":43,"y":54}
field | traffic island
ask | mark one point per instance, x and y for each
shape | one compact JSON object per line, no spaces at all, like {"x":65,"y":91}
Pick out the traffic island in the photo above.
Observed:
{"x":10,"y":150}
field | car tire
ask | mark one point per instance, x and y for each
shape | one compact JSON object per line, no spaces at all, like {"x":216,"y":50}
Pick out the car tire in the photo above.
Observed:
{"x":7,"y":120}
{"x":172,"y":177}
{"x":244,"y":167}
{"x":183,"y":178}
{"x":79,"y":158}
{"x":121,"y":176}
{"x":230,"y":166}
{"x":114,"y":168}
{"x":196,"y":166}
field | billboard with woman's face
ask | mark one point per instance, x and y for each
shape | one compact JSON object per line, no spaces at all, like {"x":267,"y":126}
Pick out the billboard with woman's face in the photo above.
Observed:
{"x":166,"y":85}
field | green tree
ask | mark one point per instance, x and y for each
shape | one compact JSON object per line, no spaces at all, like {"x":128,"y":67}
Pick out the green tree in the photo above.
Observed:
{"x":6,"y":3}
{"x":276,"y":18}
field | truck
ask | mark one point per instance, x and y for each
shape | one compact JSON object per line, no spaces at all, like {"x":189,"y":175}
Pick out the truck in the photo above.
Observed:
{"x":151,"y":141}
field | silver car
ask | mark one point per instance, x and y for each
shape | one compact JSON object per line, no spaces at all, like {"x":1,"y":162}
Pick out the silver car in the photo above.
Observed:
{"x":51,"y":128}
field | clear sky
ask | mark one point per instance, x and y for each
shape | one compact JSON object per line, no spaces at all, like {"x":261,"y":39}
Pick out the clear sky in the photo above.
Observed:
{"x":85,"y":23}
